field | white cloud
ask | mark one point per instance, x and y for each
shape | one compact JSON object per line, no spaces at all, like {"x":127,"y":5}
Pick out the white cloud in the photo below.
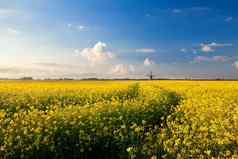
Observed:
{"x":190,"y":11}
{"x":206,"y":48}
{"x":176,"y":11}
{"x":183,"y":50}
{"x":5,"y":13}
{"x":97,"y":54}
{"x":235,"y":64}
{"x":188,"y":50}
{"x":81,"y":27}
{"x":69,"y":25}
{"x":148,"y":15}
{"x":53,"y":65}
{"x":77,"y":27}
{"x":199,"y":9}
{"x":77,"y":51}
{"x":210,"y":47}
{"x":148,"y":62}
{"x":12,"y":31}
{"x":199,"y":59}
{"x":213,"y":44}
{"x":146,"y":50}
{"x":122,"y":69}
{"x":228,"y":19}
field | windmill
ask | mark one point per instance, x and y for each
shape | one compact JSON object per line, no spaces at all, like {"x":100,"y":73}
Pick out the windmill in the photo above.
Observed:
{"x":151,"y":76}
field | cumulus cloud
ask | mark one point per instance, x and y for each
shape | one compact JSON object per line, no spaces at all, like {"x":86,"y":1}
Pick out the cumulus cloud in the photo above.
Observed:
{"x":122,"y":69}
{"x":210,"y":47}
{"x":148,"y":62}
{"x":146,"y":50}
{"x":97,"y":54}
{"x":199,"y":59}
{"x":206,"y":48}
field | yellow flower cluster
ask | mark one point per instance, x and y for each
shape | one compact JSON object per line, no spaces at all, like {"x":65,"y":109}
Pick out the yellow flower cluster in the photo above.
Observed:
{"x":205,"y":124}
{"x":74,"y":119}
{"x":118,"y":119}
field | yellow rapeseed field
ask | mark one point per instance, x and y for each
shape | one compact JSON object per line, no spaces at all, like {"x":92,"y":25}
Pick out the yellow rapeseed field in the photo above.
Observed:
{"x":118,"y":119}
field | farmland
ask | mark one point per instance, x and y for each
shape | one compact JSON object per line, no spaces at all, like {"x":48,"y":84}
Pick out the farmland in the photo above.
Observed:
{"x":118,"y":119}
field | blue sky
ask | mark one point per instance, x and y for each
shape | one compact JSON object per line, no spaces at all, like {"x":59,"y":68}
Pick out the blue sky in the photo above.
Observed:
{"x":59,"y":38}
